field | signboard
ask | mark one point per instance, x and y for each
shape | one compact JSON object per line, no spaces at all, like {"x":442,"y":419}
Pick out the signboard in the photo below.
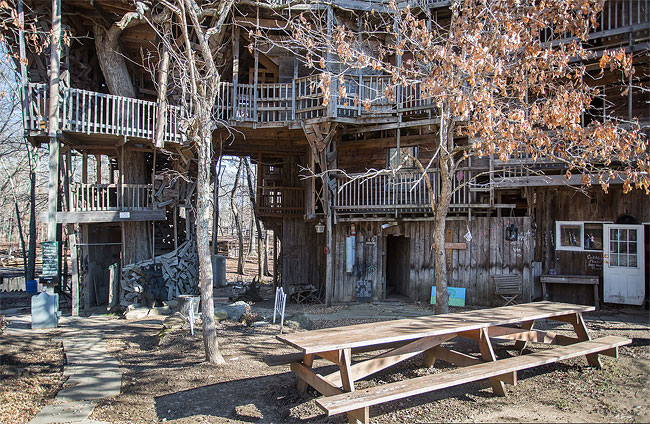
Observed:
{"x":50,"y":258}
{"x":456,"y":296}
{"x":364,"y":291}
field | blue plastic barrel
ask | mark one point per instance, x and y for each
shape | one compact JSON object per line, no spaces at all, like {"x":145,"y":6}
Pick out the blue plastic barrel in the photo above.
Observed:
{"x":31,"y":286}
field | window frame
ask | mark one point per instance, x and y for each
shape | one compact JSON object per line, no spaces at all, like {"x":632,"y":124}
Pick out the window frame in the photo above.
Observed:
{"x":581,"y":224}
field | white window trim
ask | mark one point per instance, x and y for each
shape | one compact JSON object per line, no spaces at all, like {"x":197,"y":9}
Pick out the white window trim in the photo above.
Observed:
{"x":558,"y":233}
{"x":581,"y":224}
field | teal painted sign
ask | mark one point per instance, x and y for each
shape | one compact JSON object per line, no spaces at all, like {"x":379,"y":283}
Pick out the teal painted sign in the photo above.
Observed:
{"x":456,"y":296}
{"x":50,"y":258}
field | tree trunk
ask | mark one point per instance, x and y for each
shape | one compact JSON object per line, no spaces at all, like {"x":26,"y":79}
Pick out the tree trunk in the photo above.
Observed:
{"x":137,"y":235}
{"x":22,"y":237}
{"x":203,"y":212}
{"x":111,"y":61}
{"x":262,"y":258}
{"x":240,"y":236}
{"x":440,"y":214}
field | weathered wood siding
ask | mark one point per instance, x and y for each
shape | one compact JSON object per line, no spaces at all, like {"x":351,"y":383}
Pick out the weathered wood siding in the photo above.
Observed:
{"x":487,"y":254}
{"x":565,"y":204}
{"x":302,"y":257}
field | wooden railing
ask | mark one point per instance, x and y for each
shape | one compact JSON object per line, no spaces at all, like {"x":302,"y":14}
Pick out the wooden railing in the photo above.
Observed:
{"x":405,"y":191}
{"x":90,"y":112}
{"x":273,"y":201}
{"x":110,"y":197}
{"x":617,"y":17}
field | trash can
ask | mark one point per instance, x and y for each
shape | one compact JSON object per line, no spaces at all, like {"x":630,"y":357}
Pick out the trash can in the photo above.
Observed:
{"x":219,"y":271}
{"x":31,"y":286}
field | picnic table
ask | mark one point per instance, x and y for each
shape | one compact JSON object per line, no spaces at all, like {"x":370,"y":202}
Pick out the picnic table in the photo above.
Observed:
{"x":405,"y":338}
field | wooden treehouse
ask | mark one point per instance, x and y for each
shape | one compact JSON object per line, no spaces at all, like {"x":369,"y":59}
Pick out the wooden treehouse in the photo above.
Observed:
{"x":509,"y":220}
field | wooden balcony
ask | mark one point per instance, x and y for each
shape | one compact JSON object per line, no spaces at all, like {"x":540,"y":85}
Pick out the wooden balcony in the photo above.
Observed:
{"x":280,"y":201}
{"x":111,"y":203}
{"x":406,"y":193}
{"x":89,"y":112}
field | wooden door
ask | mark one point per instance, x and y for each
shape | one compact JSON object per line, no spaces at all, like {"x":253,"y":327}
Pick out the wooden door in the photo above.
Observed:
{"x":623,"y":264}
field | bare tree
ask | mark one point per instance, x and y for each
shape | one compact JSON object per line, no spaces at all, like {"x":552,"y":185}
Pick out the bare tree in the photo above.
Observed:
{"x":194,"y":73}
{"x":495,"y":87}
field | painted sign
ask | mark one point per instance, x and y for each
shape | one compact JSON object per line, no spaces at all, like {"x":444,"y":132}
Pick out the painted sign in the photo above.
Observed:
{"x":50,"y":258}
{"x":456,"y":296}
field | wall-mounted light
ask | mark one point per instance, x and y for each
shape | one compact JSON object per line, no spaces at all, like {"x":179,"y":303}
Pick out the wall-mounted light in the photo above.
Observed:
{"x":320,"y":227}
{"x":512,"y":232}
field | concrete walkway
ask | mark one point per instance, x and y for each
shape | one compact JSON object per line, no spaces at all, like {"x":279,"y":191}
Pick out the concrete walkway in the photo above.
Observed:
{"x":92,"y":372}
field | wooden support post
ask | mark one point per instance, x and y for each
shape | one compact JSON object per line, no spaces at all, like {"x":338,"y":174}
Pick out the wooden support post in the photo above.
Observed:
{"x":330,"y":57}
{"x":53,"y":121}
{"x":22,"y":62}
{"x":487,"y":353}
{"x":98,"y":169}
{"x":256,"y":76}
{"x":526,"y":325}
{"x":307,"y":361}
{"x":275,"y":259}
{"x":293,"y":88}
{"x":163,"y":73}
{"x":235,"y":68}
{"x":72,"y":240}
{"x":581,"y":331}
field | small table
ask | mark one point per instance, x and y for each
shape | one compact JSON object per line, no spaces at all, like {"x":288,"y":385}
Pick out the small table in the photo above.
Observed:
{"x":407,"y":338}
{"x":570,"y":279}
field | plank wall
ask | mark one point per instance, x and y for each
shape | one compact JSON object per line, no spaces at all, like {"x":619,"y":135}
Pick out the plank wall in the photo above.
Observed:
{"x":487,"y":254}
{"x":565,"y":204}
{"x":302,"y":257}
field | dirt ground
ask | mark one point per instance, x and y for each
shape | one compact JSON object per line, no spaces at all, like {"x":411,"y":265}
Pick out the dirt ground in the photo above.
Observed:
{"x":167,"y":381}
{"x":31,"y":373}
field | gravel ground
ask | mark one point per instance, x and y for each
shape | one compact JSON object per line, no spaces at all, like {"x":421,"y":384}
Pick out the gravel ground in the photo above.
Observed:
{"x":31,"y":373}
{"x":166,"y":380}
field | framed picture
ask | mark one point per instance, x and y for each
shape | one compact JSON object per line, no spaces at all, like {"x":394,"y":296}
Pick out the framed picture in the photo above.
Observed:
{"x":568,"y":235}
{"x":593,"y":236}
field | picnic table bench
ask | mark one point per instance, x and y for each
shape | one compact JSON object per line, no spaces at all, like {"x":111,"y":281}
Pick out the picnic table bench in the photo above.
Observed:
{"x":406,"y":338}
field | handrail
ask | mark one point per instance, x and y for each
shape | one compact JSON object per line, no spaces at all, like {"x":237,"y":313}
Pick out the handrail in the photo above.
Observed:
{"x":84,"y":111}
{"x":85,"y":197}
{"x":403,"y":190}
{"x":272,"y":200}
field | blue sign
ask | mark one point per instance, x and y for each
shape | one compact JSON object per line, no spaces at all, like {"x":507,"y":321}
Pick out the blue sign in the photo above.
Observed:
{"x":456,"y":296}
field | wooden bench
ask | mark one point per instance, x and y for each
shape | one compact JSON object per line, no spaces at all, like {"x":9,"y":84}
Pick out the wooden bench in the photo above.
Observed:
{"x":508,"y":286}
{"x":360,"y":399}
{"x":585,"y":280}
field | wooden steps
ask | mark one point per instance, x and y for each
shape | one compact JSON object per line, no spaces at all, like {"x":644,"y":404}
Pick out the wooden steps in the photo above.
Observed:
{"x":351,"y":401}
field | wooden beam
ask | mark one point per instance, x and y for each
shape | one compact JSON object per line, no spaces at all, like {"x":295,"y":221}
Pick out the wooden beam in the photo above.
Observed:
{"x":53,"y":121}
{"x":307,"y":362}
{"x":314,"y":380}
{"x":390,"y":358}
{"x":72,"y":239}
{"x":488,"y":355}
{"x":109,"y":216}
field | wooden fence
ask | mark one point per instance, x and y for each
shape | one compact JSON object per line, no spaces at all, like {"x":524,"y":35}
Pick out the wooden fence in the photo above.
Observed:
{"x":285,"y":201}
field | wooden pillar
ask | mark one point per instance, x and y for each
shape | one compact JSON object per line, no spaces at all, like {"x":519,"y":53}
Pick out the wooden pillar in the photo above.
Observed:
{"x":256,"y":76}
{"x":98,"y":169}
{"x":23,"y":61}
{"x":72,"y":241}
{"x":330,"y":58}
{"x":235,"y":68}
{"x":53,"y":121}
{"x":293,"y":88}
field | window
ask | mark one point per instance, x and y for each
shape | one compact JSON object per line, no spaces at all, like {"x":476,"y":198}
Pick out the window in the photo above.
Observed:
{"x":404,"y":156}
{"x":579,"y":236}
{"x":623,"y":247}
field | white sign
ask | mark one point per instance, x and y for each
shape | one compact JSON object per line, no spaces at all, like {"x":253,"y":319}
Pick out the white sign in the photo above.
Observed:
{"x":125,"y":215}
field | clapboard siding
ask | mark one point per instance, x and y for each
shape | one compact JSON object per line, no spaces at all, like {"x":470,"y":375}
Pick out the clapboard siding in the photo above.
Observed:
{"x":487,"y":254}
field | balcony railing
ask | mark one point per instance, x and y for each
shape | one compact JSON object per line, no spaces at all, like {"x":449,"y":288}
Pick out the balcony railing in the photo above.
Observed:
{"x":275,"y":201}
{"x":90,"y":112}
{"x":110,"y":197}
{"x":403,"y":192}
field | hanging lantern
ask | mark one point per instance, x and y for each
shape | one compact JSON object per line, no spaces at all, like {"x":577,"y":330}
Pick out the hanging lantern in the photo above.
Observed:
{"x":512,"y":232}
{"x":320,"y":227}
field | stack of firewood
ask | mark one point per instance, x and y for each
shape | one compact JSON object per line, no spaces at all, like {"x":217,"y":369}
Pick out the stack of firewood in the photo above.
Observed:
{"x":180,"y":275}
